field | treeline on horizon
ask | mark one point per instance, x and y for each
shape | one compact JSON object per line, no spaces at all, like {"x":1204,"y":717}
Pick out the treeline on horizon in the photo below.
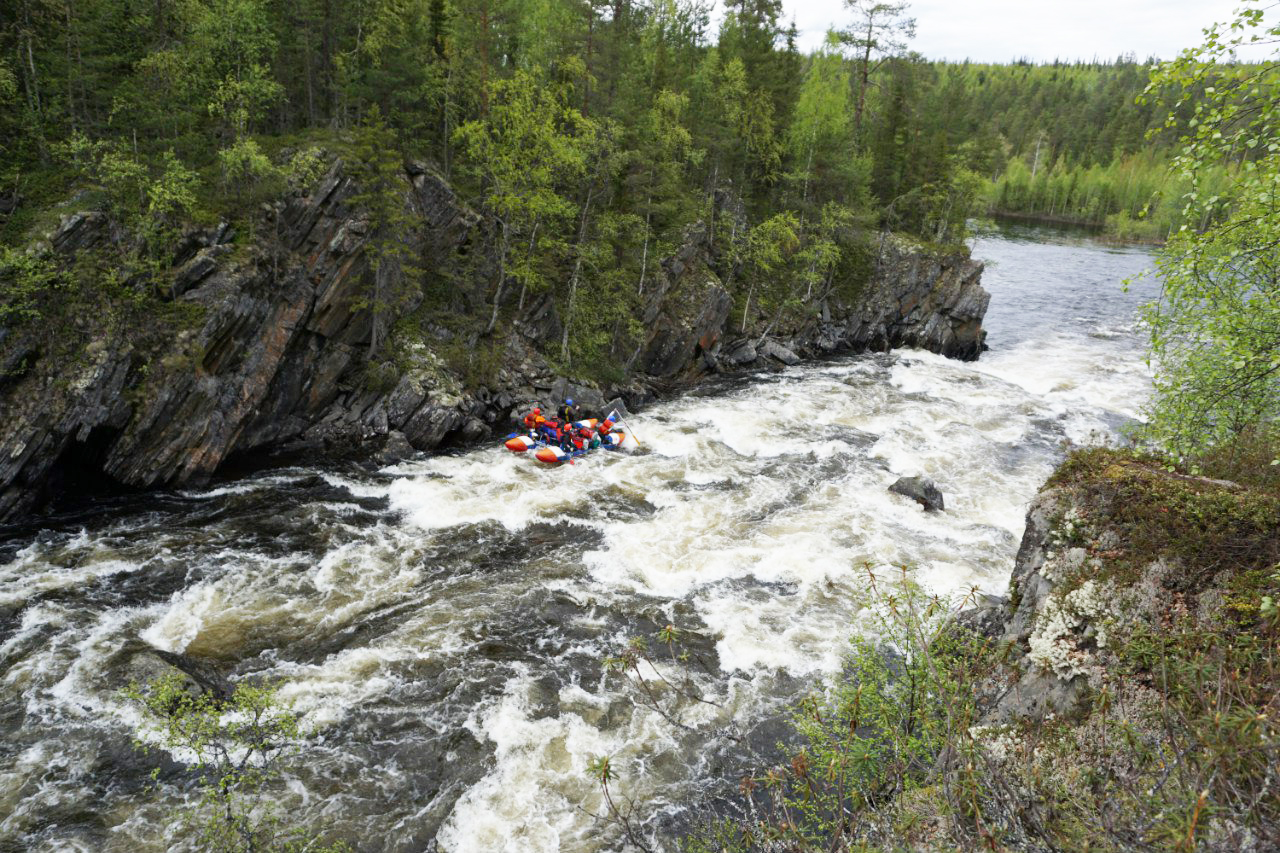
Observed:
{"x":593,"y":132}
{"x":1075,"y":142}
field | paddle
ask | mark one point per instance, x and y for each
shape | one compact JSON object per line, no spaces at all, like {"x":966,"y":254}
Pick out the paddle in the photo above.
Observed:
{"x":630,"y":431}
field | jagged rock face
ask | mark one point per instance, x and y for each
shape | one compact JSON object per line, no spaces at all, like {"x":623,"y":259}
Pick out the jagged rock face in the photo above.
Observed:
{"x":915,"y":298}
{"x":279,"y":359}
{"x":685,"y":313}
{"x":1029,"y":690}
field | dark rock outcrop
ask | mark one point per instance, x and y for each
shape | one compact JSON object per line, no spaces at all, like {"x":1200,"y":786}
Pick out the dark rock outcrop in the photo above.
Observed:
{"x":685,"y":313}
{"x":921,"y":490}
{"x":920,"y":299}
{"x":915,"y":297}
{"x":278,"y":360}
{"x":1035,"y":685}
{"x":279,"y":357}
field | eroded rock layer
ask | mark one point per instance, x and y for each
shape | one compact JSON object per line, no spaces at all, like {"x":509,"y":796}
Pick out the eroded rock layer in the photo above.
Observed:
{"x":279,"y":357}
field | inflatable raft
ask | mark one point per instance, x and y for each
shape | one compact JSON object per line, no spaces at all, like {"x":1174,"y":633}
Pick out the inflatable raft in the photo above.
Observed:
{"x":552,"y":454}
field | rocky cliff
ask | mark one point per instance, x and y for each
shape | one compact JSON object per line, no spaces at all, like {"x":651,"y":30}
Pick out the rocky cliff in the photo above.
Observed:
{"x":1117,"y":545}
{"x":277,"y":355}
{"x":1132,"y":704}
{"x":914,"y":298}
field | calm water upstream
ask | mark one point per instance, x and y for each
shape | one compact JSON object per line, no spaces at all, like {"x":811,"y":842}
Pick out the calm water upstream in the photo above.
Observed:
{"x":442,"y":622}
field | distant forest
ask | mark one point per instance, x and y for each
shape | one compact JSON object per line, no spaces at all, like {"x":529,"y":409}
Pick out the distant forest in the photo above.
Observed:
{"x":216,"y":81}
{"x":593,"y":132}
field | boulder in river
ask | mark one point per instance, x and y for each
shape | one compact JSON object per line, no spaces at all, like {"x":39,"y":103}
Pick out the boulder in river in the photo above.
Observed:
{"x":395,"y":449}
{"x":741,"y":351}
{"x":919,"y":489}
{"x":775,"y":350}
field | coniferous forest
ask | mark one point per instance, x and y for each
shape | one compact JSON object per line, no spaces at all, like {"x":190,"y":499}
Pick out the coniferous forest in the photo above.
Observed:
{"x":593,"y":132}
{"x":642,"y":104}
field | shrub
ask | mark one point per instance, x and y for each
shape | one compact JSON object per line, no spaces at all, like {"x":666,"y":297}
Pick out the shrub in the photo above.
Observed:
{"x":236,"y":747}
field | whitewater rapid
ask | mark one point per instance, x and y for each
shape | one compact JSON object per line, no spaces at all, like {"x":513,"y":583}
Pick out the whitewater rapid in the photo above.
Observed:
{"x":442,"y":623}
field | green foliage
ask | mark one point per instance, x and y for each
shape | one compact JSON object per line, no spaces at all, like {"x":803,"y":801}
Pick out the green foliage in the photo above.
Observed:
{"x":378,"y":167}
{"x":25,"y":281}
{"x":664,"y":153}
{"x":231,"y":46}
{"x":305,"y":167}
{"x":885,"y":729}
{"x":244,"y":166}
{"x":153,"y":198}
{"x":764,"y":255}
{"x":790,"y":267}
{"x":236,"y":748}
{"x":1249,"y":458}
{"x":526,"y":153}
{"x":818,"y":141}
{"x":1215,"y":332}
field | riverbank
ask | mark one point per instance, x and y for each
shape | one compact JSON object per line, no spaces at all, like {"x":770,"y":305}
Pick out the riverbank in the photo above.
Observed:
{"x":271,"y":340}
{"x":1122,"y":692}
{"x":1124,"y":232}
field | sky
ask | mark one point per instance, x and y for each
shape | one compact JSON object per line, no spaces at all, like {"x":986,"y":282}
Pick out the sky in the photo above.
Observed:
{"x":1040,"y":30}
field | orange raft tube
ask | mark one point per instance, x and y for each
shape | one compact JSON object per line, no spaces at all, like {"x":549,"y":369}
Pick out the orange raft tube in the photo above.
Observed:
{"x":552,"y":454}
{"x":521,"y":443}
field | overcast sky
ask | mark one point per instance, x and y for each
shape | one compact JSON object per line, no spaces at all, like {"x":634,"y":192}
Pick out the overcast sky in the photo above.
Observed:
{"x":1041,"y":30}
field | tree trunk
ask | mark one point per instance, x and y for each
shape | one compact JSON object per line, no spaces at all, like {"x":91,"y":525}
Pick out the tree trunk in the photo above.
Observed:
{"x":71,"y":76}
{"x":586,"y":83}
{"x":444,"y":117}
{"x":311,"y":82}
{"x":573,"y":279}
{"x":32,"y":81}
{"x":502,"y":281}
{"x":711,"y":229}
{"x":524,"y":284}
{"x":808,"y":165}
{"x":644,"y":255}
{"x":863,"y":81}
{"x":484,"y":58}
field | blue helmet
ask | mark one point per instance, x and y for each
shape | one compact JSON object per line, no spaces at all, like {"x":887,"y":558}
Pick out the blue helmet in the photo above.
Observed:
{"x":569,"y":401}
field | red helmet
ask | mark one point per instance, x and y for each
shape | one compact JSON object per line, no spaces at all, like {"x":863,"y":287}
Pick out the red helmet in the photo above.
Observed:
{"x":537,"y":411}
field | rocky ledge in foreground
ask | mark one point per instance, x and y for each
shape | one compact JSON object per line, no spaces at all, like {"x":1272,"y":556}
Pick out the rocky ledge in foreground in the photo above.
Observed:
{"x":273,"y":352}
{"x":1134,"y":700}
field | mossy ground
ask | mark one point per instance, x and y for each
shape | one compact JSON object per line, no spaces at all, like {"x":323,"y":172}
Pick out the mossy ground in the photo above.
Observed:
{"x":1154,"y":511}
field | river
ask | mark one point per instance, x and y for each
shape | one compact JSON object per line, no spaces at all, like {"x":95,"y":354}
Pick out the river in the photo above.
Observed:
{"x":442,"y":623}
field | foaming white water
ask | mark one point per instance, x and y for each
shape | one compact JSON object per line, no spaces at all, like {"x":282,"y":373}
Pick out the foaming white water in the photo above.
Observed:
{"x":442,"y":623}
{"x":46,"y":576}
{"x":545,"y":759}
